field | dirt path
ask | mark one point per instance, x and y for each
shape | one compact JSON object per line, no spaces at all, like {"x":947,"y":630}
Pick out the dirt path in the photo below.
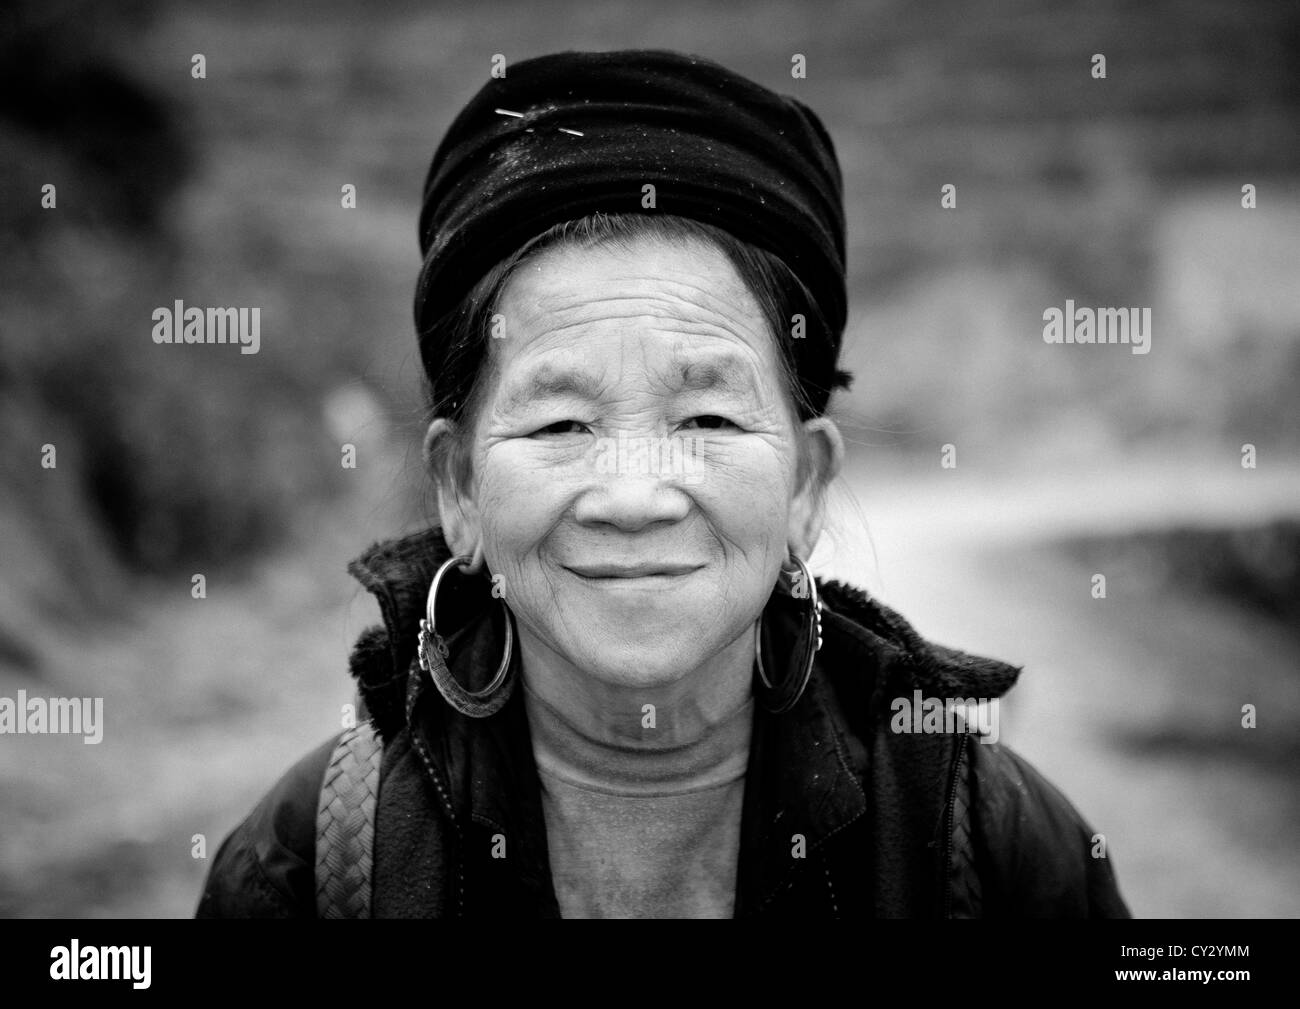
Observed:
{"x":1131,"y":704}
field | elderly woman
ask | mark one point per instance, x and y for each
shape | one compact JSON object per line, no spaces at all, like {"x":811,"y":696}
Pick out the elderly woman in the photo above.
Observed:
{"x":606,"y":684}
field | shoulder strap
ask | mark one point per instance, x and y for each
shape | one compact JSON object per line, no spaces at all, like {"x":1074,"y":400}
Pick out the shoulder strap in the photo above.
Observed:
{"x":345,"y":824}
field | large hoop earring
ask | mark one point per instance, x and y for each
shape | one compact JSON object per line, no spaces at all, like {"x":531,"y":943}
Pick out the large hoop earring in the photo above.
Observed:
{"x":433,"y":653}
{"x":781,"y":697}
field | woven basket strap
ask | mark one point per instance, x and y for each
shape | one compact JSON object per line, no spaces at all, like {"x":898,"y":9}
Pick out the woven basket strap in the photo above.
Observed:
{"x":345,"y":824}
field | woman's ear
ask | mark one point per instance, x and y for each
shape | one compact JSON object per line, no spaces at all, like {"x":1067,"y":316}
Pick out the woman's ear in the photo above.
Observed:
{"x":823,"y":460}
{"x":457,"y":511}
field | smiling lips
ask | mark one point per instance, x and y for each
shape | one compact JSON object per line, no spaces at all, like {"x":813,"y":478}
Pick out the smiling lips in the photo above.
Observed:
{"x":615,"y":572}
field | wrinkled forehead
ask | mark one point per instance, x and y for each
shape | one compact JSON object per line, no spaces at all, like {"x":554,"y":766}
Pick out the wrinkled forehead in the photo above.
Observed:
{"x":680,"y":309}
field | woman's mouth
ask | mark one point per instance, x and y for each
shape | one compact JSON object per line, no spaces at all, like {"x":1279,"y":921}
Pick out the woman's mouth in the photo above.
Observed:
{"x":633,"y":576}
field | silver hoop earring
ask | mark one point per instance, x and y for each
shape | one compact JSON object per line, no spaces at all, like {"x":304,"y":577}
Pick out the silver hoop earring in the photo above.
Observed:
{"x":433,"y":652}
{"x":781,"y":697}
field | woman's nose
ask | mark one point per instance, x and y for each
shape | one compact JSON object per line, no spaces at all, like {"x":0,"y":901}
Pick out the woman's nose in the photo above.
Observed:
{"x":632,"y":500}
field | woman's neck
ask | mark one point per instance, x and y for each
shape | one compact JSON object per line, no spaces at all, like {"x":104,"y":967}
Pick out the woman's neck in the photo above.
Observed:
{"x":713,"y":759}
{"x":641,"y":717}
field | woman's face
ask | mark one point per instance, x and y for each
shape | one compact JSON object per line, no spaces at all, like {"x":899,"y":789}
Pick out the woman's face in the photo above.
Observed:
{"x":634,"y":460}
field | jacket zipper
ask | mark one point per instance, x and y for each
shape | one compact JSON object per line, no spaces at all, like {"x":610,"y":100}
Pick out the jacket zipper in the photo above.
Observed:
{"x":948,"y":818}
{"x":417,"y":740}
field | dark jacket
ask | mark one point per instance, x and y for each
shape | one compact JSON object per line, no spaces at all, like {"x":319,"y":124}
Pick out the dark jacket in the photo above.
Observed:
{"x":892,"y":824}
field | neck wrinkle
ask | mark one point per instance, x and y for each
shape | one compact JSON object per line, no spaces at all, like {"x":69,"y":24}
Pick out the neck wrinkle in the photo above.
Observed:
{"x":715,"y":757}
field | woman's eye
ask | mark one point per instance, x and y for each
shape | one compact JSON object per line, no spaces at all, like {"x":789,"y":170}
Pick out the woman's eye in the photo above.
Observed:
{"x":708,"y":420}
{"x":562,"y":427}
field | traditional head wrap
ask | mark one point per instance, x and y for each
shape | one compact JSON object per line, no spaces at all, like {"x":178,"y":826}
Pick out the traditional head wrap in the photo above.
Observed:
{"x":563,"y":136}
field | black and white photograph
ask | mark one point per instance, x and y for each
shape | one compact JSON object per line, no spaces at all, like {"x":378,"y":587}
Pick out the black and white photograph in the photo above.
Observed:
{"x":757,"y":459}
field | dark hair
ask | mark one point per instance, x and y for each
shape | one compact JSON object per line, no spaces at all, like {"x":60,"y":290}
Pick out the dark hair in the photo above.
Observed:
{"x":465,"y":331}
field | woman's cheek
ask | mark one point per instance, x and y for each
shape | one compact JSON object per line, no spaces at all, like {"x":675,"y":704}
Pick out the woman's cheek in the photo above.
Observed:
{"x":748,"y":480}
{"x":520,"y":476}
{"x":521,"y":497}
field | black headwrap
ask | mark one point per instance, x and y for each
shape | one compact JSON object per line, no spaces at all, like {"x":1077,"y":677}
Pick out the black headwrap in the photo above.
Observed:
{"x":567,"y":135}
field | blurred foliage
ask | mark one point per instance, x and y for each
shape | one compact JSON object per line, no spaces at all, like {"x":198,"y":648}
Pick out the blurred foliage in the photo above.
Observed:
{"x":72,"y":110}
{"x":166,"y":456}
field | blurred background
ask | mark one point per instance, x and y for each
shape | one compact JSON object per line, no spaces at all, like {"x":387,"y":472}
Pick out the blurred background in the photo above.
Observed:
{"x":1071,"y":460}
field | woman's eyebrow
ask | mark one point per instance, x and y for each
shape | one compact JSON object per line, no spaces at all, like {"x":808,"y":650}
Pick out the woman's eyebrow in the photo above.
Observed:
{"x":726,"y":373}
{"x":549,"y":382}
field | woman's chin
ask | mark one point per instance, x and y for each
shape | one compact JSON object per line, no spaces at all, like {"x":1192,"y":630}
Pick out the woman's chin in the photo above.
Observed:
{"x":635,"y":673}
{"x":642,"y":653}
